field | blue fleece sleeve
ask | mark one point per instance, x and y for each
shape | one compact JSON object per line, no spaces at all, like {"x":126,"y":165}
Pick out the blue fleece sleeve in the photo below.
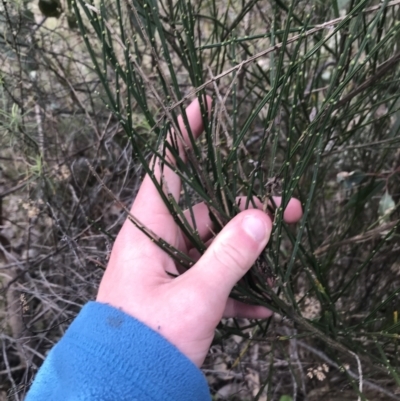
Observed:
{"x":108,"y":355}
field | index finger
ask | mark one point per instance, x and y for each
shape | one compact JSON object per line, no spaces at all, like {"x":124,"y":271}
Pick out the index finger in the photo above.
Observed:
{"x":148,"y":203}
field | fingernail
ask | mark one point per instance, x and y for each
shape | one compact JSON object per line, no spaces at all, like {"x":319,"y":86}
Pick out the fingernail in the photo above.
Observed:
{"x":255,"y":228}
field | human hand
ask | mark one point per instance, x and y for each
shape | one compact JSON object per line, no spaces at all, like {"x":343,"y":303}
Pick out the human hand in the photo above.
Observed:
{"x":186,"y":309}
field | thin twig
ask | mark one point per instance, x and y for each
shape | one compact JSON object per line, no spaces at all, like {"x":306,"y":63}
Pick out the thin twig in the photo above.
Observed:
{"x":366,"y":383}
{"x":175,"y":253}
{"x":10,"y":376}
{"x":367,"y":236}
{"x":380,"y":73}
{"x":364,"y":145}
{"x":360,"y":375}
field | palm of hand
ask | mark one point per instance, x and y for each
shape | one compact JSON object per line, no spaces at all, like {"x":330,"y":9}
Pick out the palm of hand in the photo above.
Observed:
{"x":185,"y":310}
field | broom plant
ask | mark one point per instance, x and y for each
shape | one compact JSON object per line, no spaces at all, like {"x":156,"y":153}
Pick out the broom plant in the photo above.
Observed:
{"x":305,"y":103}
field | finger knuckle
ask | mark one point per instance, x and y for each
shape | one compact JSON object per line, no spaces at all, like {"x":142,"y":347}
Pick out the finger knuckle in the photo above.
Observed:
{"x":230,"y":256}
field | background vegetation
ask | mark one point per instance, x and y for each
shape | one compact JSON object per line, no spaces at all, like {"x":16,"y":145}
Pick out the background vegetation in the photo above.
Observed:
{"x":305,"y":104}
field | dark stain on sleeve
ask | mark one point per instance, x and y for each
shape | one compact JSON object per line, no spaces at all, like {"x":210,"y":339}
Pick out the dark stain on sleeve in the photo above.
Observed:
{"x":114,"y":321}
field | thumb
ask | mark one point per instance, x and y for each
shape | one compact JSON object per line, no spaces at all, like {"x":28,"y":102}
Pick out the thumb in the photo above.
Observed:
{"x":233,"y":252}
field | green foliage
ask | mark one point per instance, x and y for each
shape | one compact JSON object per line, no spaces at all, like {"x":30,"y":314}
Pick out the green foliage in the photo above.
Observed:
{"x":305,"y":104}
{"x":302,"y":93}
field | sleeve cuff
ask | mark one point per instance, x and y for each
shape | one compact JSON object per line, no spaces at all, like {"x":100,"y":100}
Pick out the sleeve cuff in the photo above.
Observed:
{"x":109,"y":355}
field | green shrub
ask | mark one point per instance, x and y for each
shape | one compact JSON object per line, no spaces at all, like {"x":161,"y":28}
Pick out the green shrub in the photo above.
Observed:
{"x":305,"y":104}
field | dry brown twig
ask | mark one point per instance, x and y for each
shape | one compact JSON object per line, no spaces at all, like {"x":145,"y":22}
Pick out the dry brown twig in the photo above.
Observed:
{"x":366,"y":383}
{"x":367,"y":236}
